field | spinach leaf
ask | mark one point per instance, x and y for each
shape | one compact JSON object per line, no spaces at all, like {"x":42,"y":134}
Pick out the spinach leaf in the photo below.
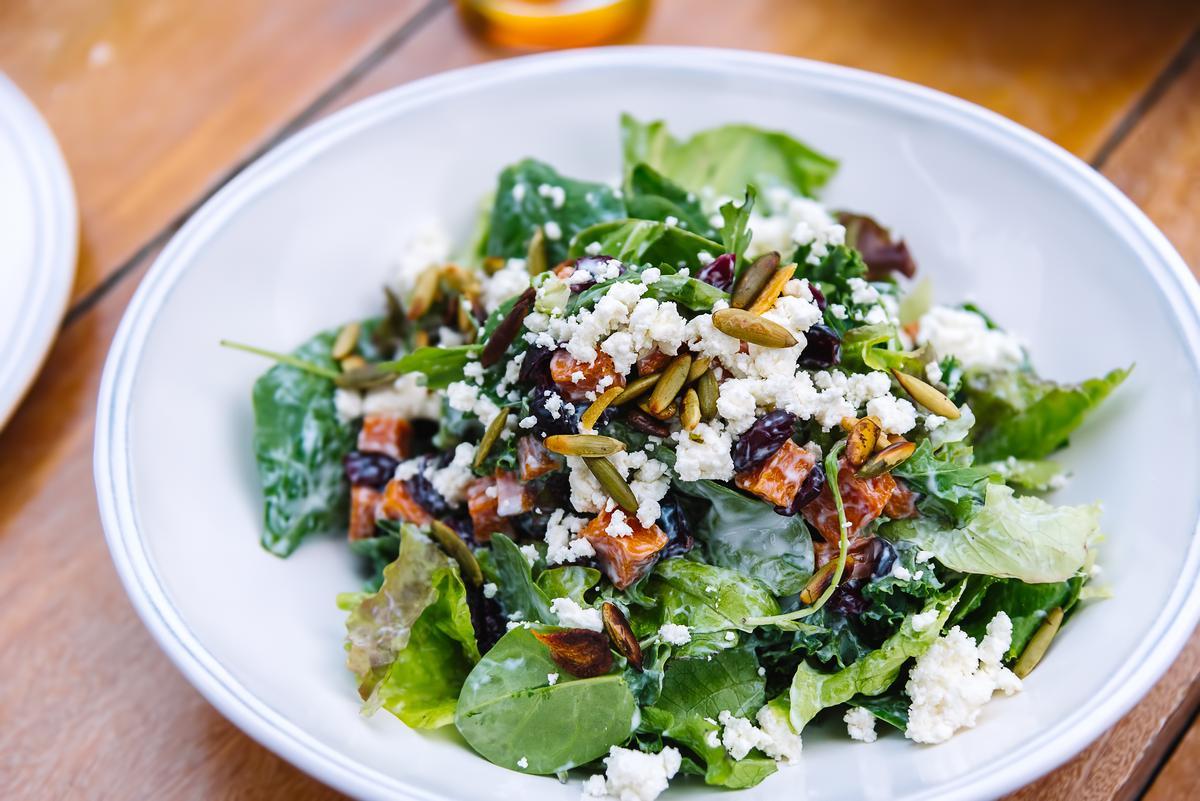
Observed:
{"x":708,"y":598}
{"x":568,"y":582}
{"x":950,"y":489}
{"x":812,"y":691}
{"x":1026,"y":606}
{"x":697,"y":691}
{"x":735,"y":228}
{"x":685,"y":291}
{"x":891,"y":707}
{"x":516,"y":589}
{"x":299,"y":443}
{"x":649,"y":195}
{"x":508,"y":711}
{"x":520,"y":207}
{"x":727,"y":158}
{"x":440,"y":366}
{"x":1010,"y":537}
{"x":422,"y":684}
{"x":645,"y":242}
{"x":746,"y":535}
{"x":1018,"y":414}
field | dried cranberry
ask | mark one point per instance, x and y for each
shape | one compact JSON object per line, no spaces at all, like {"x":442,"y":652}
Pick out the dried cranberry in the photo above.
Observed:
{"x":369,"y":469}
{"x":848,"y":600}
{"x":487,"y":618}
{"x":420,"y":488}
{"x":823,"y":347}
{"x":535,"y":367}
{"x":647,"y":424}
{"x":762,"y":439}
{"x":814,"y":482}
{"x":719,"y":272}
{"x":675,"y":525}
{"x":561,"y":421}
{"x":884,"y":554}
{"x":818,"y":296}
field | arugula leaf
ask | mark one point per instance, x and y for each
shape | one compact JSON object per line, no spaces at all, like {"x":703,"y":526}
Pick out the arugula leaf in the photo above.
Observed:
{"x":708,"y":598}
{"x":949,"y":489}
{"x":509,"y":712}
{"x":1026,"y":606}
{"x":299,"y":444}
{"x":649,"y":195}
{"x":696,"y":689}
{"x":746,"y":535}
{"x":735,"y":231}
{"x":812,"y":691}
{"x":726,"y":159}
{"x":1010,"y":537}
{"x":422,"y":684}
{"x":1021,"y":415}
{"x":516,"y":212}
{"x":516,"y":588}
{"x":440,"y":366}
{"x":645,"y":242}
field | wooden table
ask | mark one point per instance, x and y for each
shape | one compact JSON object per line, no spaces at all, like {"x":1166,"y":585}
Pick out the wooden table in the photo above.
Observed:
{"x":157,"y":104}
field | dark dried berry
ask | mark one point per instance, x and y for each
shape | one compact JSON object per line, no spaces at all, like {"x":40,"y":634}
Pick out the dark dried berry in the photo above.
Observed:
{"x":848,"y":601}
{"x":823,"y":347}
{"x":674,"y":524}
{"x":814,"y":482}
{"x":560,"y":421}
{"x":535,"y":367}
{"x":486,"y":617}
{"x":421,"y":490}
{"x":884,"y":556}
{"x":763,"y":439}
{"x":369,"y":469}
{"x":643,"y":422}
{"x":818,"y":296}
{"x":719,"y":272}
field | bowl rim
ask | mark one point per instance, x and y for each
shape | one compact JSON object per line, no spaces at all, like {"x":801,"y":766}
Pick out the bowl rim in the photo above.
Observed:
{"x":1143,"y":666}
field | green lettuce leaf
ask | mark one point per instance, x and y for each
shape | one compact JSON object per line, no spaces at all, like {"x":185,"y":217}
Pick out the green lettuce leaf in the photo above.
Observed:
{"x":509,"y":712}
{"x":726,"y":159}
{"x":811,"y":691}
{"x":1010,"y":537}
{"x":299,"y":444}
{"x":649,"y":195}
{"x":1036,"y":475}
{"x":440,"y":366}
{"x":1025,"y":604}
{"x":568,"y":582}
{"x":746,"y":535}
{"x":641,"y":242}
{"x":515,"y":215}
{"x":950,"y":490}
{"x":1018,"y":414}
{"x":707,"y":598}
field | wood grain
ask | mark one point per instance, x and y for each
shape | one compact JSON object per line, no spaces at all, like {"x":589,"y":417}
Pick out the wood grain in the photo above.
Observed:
{"x":89,"y":707}
{"x":1180,"y":779}
{"x":154,"y":103}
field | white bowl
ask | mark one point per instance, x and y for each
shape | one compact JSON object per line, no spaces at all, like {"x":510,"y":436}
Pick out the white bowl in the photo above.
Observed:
{"x":303,"y":239}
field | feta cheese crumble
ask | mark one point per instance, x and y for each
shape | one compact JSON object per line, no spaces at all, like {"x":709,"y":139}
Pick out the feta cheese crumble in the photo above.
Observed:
{"x":633,"y":776}
{"x":490,"y":589}
{"x":552,"y":679}
{"x":573,"y":616}
{"x":561,"y":543}
{"x":860,"y":724}
{"x":965,"y":336}
{"x":523,"y":763}
{"x":674,"y":634}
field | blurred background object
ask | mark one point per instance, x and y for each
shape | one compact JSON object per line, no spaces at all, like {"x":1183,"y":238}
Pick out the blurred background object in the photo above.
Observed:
{"x":545,"y":24}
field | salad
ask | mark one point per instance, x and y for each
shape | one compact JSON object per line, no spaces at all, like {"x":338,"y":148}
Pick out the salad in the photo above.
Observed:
{"x":654,"y":474}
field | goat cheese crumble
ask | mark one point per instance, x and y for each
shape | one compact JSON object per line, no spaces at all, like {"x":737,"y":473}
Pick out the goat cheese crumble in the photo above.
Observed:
{"x":572,"y":615}
{"x":965,"y":336}
{"x":674,"y":634}
{"x":633,"y":776}
{"x":860,"y":725}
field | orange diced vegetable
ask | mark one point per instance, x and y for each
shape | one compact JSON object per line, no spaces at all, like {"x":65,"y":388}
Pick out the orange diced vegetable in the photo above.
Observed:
{"x":483,"y":506}
{"x":902,"y":504}
{"x":624,"y":559}
{"x":778,"y":478}
{"x":575,"y":378}
{"x":512,"y":497}
{"x":363,"y":504}
{"x":863,"y":498}
{"x":652,"y":362}
{"x":534,"y":459}
{"x":399,"y":504}
{"x":385,"y":433}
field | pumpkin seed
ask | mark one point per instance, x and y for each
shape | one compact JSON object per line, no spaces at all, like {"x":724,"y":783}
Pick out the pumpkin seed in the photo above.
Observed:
{"x":346,"y":342}
{"x":886,"y":459}
{"x":1039,"y":643}
{"x":707,"y":391}
{"x":699,"y":367}
{"x":926,"y":395}
{"x":772,"y":289}
{"x":817,"y":584}
{"x":459,"y":551}
{"x":583,"y":445}
{"x":352,"y":363}
{"x":490,"y":435}
{"x":636,"y":389}
{"x":750,"y":283}
{"x":665,"y":414}
{"x":507,"y":330}
{"x":364,"y":376}
{"x":493,"y":264}
{"x":592,"y":414}
{"x":612,"y":483}
{"x":460,"y":279}
{"x":670,"y":381}
{"x":421,"y":339}
{"x":861,"y":441}
{"x":881,"y":441}
{"x":752,"y":328}
{"x":535,"y":256}
{"x":848,"y":423}
{"x":690,"y":416}
{"x":616,"y":625}
{"x":425,"y":292}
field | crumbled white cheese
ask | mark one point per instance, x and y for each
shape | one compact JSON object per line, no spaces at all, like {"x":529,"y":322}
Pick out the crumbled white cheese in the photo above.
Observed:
{"x":510,"y":280}
{"x":572,"y":615}
{"x":965,"y":335}
{"x":556,"y":194}
{"x":617,"y":527}
{"x":933,"y":422}
{"x":955,"y":678}
{"x":528,"y":422}
{"x":900,"y":572}
{"x":781,"y":742}
{"x":703,"y":453}
{"x":429,"y":245}
{"x":924,"y":620}
{"x":561,"y":544}
{"x":466,"y":397}
{"x":451,"y":481}
{"x":794,"y":220}
{"x":933,"y":371}
{"x":924,"y":556}
{"x":861,"y":292}
{"x":552,"y":230}
{"x":552,"y":679}
{"x":651,"y":275}
{"x":860,"y":724}
{"x":518,"y":192}
{"x":633,"y":776}
{"x":838,"y":311}
{"x":490,"y":589}
{"x":348,"y":403}
{"x":523,"y":763}
{"x":712,"y":738}
{"x":530,"y":553}
{"x":407,"y":397}
{"x":953,"y":430}
{"x":896,"y":415}
{"x":674,"y":634}
{"x":592,"y":249}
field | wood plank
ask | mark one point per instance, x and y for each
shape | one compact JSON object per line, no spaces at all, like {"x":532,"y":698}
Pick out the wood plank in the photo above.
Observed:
{"x":154,"y":103}
{"x":1066,"y":70}
{"x":1180,"y":779}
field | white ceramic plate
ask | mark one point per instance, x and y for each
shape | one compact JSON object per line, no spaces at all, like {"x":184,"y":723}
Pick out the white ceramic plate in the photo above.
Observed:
{"x":38,"y":240}
{"x":303,"y":239}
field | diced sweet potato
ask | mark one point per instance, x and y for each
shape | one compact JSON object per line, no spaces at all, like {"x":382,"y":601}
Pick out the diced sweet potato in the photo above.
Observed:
{"x":399,"y":504}
{"x":778,"y":478}
{"x":364,"y":501}
{"x":863,"y":498}
{"x":575,"y":378}
{"x":652,"y":362}
{"x":483,"y":503}
{"x":624,"y":559}
{"x":902,"y":504}
{"x":534,"y":459}
{"x":512,"y":497}
{"x":385,"y":433}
